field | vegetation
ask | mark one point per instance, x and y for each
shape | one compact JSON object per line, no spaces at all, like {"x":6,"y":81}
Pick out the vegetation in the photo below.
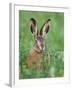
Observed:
{"x":54,"y":44}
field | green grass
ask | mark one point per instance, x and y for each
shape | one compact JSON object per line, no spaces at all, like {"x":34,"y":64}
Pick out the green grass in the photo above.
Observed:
{"x":54,"y":44}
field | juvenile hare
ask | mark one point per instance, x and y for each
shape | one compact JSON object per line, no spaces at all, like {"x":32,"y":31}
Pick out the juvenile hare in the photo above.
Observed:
{"x":36,"y":53}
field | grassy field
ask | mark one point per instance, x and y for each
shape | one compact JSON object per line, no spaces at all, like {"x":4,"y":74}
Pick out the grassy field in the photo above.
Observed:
{"x":54,"y":44}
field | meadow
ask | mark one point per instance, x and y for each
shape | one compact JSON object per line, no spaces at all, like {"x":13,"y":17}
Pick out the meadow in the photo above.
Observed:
{"x":54,"y":44}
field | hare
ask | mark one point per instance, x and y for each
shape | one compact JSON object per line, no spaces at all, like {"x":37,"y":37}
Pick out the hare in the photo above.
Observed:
{"x":35,"y":57}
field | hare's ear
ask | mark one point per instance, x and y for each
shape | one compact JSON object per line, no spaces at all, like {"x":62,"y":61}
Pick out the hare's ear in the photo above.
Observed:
{"x":33,"y":26}
{"x":45,"y":28}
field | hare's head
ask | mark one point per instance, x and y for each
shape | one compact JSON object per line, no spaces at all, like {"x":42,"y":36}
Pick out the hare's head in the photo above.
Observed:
{"x":39,"y":36}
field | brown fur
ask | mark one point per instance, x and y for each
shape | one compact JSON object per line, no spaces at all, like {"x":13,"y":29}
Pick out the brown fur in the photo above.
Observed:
{"x":34,"y":58}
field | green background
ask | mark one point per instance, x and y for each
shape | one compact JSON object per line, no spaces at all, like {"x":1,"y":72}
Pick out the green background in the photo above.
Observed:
{"x":54,"y":42}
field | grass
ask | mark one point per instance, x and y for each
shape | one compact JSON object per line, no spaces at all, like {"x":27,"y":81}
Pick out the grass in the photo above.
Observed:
{"x":54,"y":44}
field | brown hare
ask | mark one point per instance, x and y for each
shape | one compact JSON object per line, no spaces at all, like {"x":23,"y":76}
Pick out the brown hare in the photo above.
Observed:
{"x":35,"y":57}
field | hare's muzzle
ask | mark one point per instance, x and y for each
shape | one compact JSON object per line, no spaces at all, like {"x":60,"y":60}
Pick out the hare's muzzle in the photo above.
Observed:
{"x":40,"y":43}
